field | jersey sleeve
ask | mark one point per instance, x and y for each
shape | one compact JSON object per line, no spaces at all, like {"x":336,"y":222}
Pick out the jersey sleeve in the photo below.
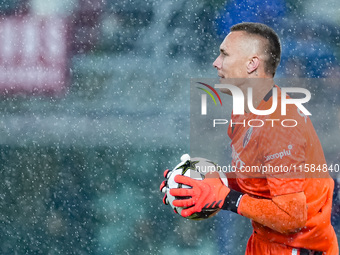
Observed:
{"x":282,"y":152}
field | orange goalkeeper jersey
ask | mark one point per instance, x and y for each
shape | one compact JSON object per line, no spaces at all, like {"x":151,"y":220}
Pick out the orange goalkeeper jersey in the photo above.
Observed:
{"x":281,"y":154}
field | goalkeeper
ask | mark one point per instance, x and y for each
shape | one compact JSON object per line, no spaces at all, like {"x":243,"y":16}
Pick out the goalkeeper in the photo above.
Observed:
{"x":290,"y":211}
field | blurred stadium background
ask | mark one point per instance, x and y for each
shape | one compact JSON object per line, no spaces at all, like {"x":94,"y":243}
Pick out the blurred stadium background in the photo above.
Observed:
{"x":94,"y":106}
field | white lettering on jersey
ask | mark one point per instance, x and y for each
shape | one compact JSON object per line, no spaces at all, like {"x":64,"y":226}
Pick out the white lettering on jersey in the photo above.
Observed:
{"x":280,"y":154}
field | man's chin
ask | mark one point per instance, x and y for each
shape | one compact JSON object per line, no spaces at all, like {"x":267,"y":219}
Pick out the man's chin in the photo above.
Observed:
{"x":233,"y":81}
{"x":225,"y":91}
{"x":225,"y":80}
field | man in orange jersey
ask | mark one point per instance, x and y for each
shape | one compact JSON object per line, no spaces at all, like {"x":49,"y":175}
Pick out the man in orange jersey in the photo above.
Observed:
{"x":288,"y":202}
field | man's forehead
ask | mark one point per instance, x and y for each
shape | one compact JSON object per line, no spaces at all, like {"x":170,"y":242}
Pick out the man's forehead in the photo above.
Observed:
{"x":236,"y":38}
{"x":235,"y":35}
{"x":230,"y":38}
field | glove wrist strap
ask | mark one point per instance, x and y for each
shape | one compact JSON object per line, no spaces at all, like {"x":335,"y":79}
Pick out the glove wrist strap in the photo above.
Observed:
{"x":232,"y":201}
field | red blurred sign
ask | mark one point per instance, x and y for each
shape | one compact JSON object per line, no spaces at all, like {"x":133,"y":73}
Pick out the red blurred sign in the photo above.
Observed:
{"x":33,"y":54}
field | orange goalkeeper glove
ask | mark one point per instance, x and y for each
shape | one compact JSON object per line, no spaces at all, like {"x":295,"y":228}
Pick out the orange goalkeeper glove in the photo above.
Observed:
{"x":163,"y":185}
{"x":207,"y":193}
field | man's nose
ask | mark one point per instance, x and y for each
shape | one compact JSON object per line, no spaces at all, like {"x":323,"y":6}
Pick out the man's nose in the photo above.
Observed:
{"x":218,"y":62}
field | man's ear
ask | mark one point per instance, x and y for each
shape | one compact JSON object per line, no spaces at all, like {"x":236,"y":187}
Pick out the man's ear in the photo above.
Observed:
{"x":253,"y":64}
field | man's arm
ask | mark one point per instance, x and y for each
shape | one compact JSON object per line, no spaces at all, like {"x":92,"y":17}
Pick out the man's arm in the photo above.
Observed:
{"x":285,"y":213}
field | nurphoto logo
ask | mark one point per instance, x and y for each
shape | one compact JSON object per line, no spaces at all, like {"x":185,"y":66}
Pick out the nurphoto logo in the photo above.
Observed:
{"x":239,"y":102}
{"x":204,"y":97}
{"x":238,"y":99}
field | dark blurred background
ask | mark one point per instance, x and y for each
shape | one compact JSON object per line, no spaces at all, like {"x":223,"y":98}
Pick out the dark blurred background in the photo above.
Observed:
{"x":95,"y":106}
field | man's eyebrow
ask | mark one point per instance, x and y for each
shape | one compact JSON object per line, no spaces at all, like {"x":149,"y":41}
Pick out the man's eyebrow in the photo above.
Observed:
{"x":223,"y":51}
